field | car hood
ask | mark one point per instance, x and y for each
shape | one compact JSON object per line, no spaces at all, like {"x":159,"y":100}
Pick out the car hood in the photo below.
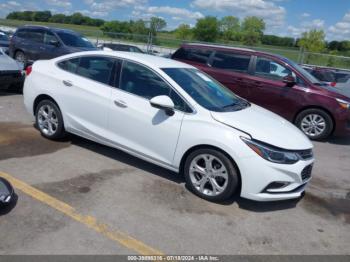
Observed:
{"x":265,"y":126}
{"x":8,"y":64}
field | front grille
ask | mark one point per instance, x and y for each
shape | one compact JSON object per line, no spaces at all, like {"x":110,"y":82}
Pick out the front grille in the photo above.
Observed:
{"x":305,"y":154}
{"x":306,"y":173}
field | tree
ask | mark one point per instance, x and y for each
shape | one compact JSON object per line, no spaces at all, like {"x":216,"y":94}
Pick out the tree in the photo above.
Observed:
{"x":183,"y":32}
{"x":313,"y":41}
{"x":206,"y":29}
{"x":230,"y":27}
{"x":252,"y":30}
{"x":277,"y":40}
{"x":77,"y":19}
{"x":58,"y":18}
{"x":42,"y":16}
{"x":157,"y":24}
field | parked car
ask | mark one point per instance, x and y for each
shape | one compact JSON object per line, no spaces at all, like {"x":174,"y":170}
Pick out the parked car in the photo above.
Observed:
{"x":11,"y":73}
{"x":119,"y":47}
{"x":6,"y":192}
{"x":276,"y":83}
{"x":173,"y":115}
{"x":31,"y":43}
{"x":4,"y":41}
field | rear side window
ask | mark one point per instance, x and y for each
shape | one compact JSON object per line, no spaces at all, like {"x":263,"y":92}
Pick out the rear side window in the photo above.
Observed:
{"x":70,"y":65}
{"x":96,"y":68}
{"x":195,"y":55}
{"x":231,"y":61}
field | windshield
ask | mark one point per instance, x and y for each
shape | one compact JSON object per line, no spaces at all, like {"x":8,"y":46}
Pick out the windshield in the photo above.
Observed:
{"x":74,"y":40}
{"x":302,"y":71}
{"x":206,"y":91}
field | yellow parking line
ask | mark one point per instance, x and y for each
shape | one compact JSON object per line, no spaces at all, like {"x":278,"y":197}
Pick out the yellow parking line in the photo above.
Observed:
{"x":89,"y":221}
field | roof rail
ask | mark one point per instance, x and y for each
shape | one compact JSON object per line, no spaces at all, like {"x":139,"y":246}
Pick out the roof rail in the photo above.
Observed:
{"x":220,"y":45}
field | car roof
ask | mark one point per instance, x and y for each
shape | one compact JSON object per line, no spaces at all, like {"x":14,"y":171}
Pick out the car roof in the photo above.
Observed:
{"x":217,"y":46}
{"x":148,"y":60}
{"x":47,"y":27}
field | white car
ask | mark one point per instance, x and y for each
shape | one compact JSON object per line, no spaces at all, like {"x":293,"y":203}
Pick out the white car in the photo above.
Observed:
{"x":175,"y":116}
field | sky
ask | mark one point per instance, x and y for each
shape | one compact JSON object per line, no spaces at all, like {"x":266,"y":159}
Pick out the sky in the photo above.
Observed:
{"x":282,"y":17}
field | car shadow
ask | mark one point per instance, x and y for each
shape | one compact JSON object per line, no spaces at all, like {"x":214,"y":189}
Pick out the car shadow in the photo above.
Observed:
{"x":5,"y":209}
{"x":338,"y":140}
{"x":125,"y":158}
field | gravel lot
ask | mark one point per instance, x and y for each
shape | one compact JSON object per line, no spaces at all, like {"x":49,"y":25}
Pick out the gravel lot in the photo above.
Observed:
{"x":153,"y":206}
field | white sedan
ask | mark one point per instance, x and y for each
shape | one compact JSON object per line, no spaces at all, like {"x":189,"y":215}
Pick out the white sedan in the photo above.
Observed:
{"x":175,"y":116}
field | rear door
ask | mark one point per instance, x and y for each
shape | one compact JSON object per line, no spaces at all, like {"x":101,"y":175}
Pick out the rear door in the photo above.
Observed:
{"x":85,"y":93}
{"x":232,"y":70}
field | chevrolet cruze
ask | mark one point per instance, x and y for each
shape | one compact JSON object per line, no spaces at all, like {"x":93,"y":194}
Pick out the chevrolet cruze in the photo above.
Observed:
{"x":173,"y":115}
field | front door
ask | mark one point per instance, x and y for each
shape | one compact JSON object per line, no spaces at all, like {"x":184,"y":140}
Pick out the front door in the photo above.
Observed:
{"x":137,"y":126}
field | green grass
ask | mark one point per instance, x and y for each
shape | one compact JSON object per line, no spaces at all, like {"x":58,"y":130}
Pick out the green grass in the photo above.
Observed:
{"x":87,"y":30}
{"x":168,"y":40}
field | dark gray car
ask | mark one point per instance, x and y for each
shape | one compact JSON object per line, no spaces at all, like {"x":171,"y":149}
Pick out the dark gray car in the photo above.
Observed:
{"x":4,"y":41}
{"x":31,"y":43}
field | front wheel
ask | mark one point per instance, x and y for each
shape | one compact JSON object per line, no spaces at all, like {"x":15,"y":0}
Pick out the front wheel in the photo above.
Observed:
{"x":49,"y":120}
{"x":211,"y":175}
{"x":315,"y":123}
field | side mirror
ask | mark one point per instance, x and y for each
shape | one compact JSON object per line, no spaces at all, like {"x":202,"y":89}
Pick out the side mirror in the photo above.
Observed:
{"x":289,"y":80}
{"x":54,"y":43}
{"x":163,"y":102}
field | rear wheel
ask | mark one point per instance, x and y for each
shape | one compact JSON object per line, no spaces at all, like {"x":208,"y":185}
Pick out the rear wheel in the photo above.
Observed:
{"x":211,"y":175}
{"x":315,"y":123}
{"x":49,"y":120}
{"x":21,"y":57}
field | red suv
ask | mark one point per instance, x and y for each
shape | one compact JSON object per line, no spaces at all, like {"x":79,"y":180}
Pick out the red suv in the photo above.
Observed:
{"x":276,"y":83}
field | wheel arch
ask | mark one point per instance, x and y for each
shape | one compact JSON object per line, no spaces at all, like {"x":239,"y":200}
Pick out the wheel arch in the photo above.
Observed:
{"x":42,"y":97}
{"x":207,"y":146}
{"x":316,"y":107}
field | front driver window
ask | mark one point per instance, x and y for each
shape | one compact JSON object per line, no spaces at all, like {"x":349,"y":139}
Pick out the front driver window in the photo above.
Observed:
{"x":141,"y":81}
{"x":270,"y":69}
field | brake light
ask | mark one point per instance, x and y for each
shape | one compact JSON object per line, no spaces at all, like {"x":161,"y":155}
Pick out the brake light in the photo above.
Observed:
{"x":28,"y":70}
{"x":333,"y":84}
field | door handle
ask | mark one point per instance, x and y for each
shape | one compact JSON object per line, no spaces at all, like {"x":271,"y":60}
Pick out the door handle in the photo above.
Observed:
{"x":67,"y":83}
{"x":120,"y":103}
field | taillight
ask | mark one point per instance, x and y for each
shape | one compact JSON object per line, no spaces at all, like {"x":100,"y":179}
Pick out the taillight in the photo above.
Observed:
{"x":333,"y":84}
{"x":28,"y":70}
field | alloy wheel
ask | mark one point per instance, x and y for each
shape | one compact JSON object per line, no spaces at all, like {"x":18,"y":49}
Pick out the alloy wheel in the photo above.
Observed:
{"x":313,"y":125}
{"x":47,"y":120}
{"x":208,"y":175}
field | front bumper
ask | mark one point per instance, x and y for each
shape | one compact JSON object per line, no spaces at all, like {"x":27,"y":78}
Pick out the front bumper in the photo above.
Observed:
{"x":258,"y":175}
{"x":6,"y":192}
{"x":9,"y":79}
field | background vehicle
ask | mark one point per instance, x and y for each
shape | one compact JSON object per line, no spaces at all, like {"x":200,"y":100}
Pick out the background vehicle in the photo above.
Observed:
{"x":175,"y":116}
{"x":276,"y":83}
{"x":31,"y":43}
{"x":119,"y":47}
{"x":6,"y":192}
{"x":4,"y":41}
{"x":11,"y":73}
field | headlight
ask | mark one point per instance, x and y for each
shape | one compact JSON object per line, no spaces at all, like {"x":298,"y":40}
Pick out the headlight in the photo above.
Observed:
{"x":271,"y":153}
{"x":344,"y":104}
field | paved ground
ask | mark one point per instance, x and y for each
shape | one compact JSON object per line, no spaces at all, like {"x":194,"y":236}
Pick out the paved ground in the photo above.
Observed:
{"x":152,"y":205}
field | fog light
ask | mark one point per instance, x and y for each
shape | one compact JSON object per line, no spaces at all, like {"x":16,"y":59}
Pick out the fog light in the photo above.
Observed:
{"x":275,"y":185}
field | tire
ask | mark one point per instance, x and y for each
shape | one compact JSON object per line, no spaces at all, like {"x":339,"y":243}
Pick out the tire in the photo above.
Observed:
{"x":49,"y":120}
{"x":200,"y":179}
{"x":315,"y":123}
{"x":21,"y":57}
